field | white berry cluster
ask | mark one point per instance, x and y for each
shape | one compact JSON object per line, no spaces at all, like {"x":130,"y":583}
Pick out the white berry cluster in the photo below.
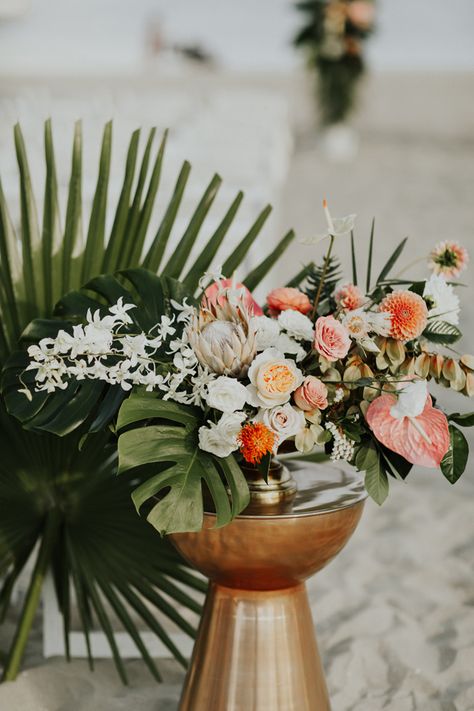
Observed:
{"x":343,"y":447}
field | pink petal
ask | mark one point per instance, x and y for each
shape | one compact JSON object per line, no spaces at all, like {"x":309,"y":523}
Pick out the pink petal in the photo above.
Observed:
{"x":401,"y":436}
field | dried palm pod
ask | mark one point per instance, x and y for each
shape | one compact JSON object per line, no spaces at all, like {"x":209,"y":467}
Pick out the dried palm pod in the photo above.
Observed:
{"x":468,"y":361}
{"x":469,"y":386}
{"x":436,"y":365}
{"x":453,"y":372}
{"x":422,"y":365}
{"x":396,"y":352}
{"x":408,"y":366}
{"x":222,"y":338}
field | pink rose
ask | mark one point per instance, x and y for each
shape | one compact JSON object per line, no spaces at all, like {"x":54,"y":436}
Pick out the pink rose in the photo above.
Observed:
{"x":287,"y":297}
{"x":215,"y":293}
{"x":331,"y":339}
{"x":311,"y":395}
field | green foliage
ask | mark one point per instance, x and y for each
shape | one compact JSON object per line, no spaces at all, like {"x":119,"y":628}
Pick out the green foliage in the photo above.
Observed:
{"x":45,"y":479}
{"x":442,"y":332}
{"x":368,"y":460}
{"x":313,"y":279}
{"x":464,"y":420}
{"x":455,"y":460}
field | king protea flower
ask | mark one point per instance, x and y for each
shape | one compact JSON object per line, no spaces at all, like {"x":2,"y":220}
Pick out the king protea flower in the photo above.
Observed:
{"x":222,"y":338}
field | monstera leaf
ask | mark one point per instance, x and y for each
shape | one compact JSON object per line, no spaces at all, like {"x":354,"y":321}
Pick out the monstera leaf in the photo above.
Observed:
{"x":170,"y":446}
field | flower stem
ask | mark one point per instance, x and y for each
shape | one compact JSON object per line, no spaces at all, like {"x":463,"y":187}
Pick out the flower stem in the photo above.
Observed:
{"x":32,"y":599}
{"x":323,"y":277}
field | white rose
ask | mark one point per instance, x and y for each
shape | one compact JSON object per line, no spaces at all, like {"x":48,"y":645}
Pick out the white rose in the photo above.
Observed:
{"x":226,"y":394}
{"x":272,"y":379}
{"x":221,"y":439}
{"x":285,"y":344}
{"x":411,"y":399}
{"x":267,"y":331}
{"x":284,"y":420}
{"x":296,"y":324}
{"x":441,"y":300}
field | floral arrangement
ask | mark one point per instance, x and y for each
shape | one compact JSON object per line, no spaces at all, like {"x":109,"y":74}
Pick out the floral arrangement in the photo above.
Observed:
{"x":321,"y":364}
{"x":333,"y":37}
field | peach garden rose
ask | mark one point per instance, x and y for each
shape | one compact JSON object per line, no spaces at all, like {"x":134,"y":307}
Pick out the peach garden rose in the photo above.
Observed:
{"x":273,"y":378}
{"x":331,"y":339}
{"x":311,"y":395}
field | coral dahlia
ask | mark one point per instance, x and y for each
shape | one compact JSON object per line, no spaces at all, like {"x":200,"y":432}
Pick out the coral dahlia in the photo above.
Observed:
{"x":256,"y":440}
{"x":449,"y":259}
{"x":409,"y":314}
{"x":349,"y":297}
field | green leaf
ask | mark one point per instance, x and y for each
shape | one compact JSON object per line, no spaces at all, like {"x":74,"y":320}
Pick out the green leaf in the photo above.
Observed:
{"x":72,"y":242}
{"x":208,"y":253}
{"x":155,"y":254}
{"x":51,"y":236}
{"x":392,"y":260}
{"x":353,"y":260}
{"x":442,"y":332}
{"x":95,"y":247}
{"x":118,"y":237}
{"x":253,"y":279}
{"x":455,"y":460}
{"x":137,"y":240}
{"x":464,"y":420}
{"x":233,"y":262}
{"x":180,"y":255}
{"x":369,"y":260}
{"x":376,"y":480}
{"x":298,"y":279}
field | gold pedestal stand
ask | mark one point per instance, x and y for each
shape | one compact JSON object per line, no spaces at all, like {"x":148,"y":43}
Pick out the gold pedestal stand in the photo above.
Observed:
{"x":256,"y":648}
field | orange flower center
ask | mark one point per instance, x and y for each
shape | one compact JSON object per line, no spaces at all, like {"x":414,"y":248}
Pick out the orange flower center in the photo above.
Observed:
{"x":278,"y":378}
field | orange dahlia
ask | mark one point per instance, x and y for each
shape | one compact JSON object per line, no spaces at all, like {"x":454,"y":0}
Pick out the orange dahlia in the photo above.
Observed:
{"x":409,"y":314}
{"x":256,"y":440}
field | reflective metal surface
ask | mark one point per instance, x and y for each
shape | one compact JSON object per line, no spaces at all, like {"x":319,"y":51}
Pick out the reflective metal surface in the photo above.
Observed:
{"x":256,"y":649}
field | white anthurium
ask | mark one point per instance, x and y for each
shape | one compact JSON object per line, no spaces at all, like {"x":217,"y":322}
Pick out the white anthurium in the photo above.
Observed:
{"x":266,"y":331}
{"x":284,"y":420}
{"x":337,"y":227}
{"x":411,"y":399}
{"x":221,"y":438}
{"x":273,"y":378}
{"x":442,"y":302}
{"x":296,"y":324}
{"x":226,"y":394}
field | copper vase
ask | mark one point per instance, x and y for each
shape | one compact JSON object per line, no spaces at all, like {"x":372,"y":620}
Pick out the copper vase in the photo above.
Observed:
{"x":256,"y":648}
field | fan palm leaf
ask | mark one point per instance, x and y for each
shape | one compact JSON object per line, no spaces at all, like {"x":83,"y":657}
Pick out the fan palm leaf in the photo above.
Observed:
{"x":58,"y":501}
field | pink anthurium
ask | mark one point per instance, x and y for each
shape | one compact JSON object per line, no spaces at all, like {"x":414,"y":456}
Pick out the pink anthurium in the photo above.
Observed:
{"x":419,"y":434}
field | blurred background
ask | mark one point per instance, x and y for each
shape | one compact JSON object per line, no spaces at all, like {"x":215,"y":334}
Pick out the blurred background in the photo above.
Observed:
{"x":239,"y":98}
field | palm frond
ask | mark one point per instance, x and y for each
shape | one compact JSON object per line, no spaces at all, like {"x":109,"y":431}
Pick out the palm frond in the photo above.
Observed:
{"x":42,"y":472}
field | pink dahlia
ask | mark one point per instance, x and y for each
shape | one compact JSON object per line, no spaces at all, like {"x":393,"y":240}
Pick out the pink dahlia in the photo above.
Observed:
{"x":449,"y":259}
{"x":349,"y":297}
